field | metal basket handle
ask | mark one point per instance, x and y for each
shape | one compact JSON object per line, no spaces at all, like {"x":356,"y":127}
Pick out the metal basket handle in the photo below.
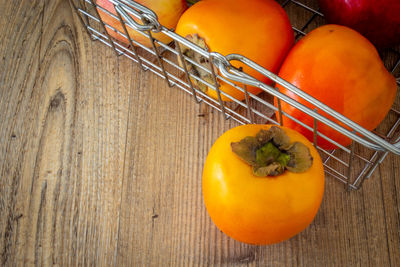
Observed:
{"x":228,"y":71}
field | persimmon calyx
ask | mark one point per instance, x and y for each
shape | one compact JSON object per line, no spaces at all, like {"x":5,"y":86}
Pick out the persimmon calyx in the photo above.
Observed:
{"x":200,"y":60}
{"x":271,"y":153}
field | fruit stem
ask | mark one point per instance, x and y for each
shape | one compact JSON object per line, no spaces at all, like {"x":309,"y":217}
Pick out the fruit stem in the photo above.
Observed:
{"x":270,"y":153}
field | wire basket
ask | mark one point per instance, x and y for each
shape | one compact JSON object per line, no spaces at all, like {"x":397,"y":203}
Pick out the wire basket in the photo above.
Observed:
{"x":350,"y":165}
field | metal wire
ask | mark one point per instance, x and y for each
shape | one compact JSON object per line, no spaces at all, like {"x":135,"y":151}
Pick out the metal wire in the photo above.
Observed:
{"x":169,"y":63}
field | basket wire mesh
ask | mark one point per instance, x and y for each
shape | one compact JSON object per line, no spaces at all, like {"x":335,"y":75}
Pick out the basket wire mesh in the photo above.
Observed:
{"x":350,"y":165}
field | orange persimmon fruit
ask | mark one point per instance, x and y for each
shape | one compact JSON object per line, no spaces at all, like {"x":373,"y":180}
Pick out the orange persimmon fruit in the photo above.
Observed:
{"x":254,"y":208}
{"x":257,"y":29}
{"x":342,"y":69}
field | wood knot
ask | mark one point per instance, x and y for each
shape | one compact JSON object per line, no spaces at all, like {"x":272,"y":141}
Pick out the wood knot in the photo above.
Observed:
{"x":56,"y":100}
{"x":55,"y":103}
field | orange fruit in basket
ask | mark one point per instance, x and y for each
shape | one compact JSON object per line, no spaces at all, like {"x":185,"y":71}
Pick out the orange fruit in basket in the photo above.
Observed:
{"x":342,"y":69}
{"x":257,"y":29}
{"x":168,"y":13}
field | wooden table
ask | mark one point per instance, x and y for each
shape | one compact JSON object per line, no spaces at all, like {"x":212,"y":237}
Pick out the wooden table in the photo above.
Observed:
{"x":101,"y":163}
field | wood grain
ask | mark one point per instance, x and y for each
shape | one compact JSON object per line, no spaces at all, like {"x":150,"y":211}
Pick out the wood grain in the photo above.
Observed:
{"x":100,"y":165}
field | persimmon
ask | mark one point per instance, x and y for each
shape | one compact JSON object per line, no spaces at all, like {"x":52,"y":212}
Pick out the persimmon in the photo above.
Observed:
{"x":262,"y":184}
{"x":257,"y":29}
{"x":168,"y":13}
{"x":342,"y":69}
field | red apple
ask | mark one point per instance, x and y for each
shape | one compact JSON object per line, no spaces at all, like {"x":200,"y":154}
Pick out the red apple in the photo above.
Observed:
{"x":378,"y":20}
